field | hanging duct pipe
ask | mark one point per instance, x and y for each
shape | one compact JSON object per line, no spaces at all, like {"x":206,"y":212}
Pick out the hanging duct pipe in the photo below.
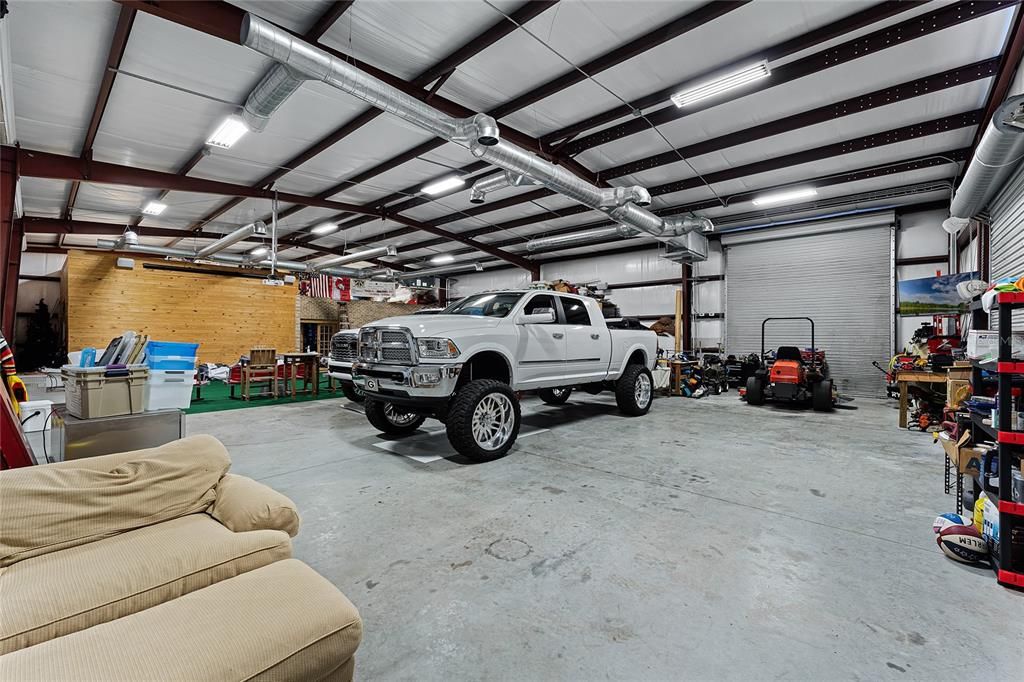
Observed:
{"x":430,"y":272}
{"x":256,"y":229}
{"x":998,"y":153}
{"x":495,"y":182}
{"x":680,"y":225}
{"x":315,"y":64}
{"x":479,"y":132}
{"x":268,"y":95}
{"x":226,"y":258}
{"x":389,"y":250}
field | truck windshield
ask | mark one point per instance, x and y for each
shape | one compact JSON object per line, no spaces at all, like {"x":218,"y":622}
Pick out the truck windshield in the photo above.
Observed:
{"x":485,"y":305}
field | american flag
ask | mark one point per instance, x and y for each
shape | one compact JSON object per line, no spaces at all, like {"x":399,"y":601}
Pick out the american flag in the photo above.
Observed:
{"x":328,"y":286}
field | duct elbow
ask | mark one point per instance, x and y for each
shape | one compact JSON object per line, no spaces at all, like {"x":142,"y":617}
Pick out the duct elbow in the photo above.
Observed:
{"x":476,"y":196}
{"x":620,"y":196}
{"x":477,"y":129}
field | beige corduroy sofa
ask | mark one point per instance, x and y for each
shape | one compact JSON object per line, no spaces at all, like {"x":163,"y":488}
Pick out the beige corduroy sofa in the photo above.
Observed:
{"x":159,"y":565}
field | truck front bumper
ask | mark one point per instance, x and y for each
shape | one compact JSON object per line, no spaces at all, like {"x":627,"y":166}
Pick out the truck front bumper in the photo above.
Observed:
{"x":338,"y":370}
{"x":415,"y":385}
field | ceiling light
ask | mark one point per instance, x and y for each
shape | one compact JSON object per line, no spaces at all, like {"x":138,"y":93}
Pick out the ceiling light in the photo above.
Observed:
{"x":258,"y":251}
{"x":229,"y":132}
{"x":154,"y":208}
{"x":325,"y":228}
{"x":443,"y":258}
{"x":719,"y":85}
{"x":787,"y":197}
{"x":443,"y":185}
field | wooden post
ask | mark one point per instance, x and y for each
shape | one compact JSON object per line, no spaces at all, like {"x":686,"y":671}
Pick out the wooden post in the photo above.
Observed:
{"x":679,"y":320}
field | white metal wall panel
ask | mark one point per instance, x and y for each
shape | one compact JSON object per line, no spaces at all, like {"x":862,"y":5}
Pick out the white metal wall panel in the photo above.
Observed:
{"x":841,"y":278}
{"x":464,"y":284}
{"x":1006,"y":238}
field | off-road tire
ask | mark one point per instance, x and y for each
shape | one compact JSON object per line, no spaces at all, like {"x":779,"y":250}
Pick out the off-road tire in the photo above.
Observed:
{"x":755,"y":391}
{"x":626,"y":391}
{"x":555,"y":396}
{"x":821,"y":396}
{"x":376,"y":415}
{"x":459,"y":421}
{"x":352,"y":392}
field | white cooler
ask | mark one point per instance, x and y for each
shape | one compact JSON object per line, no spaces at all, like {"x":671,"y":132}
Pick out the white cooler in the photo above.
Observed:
{"x":169,"y":389}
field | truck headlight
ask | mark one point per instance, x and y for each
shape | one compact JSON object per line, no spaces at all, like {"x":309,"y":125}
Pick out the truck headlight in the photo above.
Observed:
{"x":437,"y":348}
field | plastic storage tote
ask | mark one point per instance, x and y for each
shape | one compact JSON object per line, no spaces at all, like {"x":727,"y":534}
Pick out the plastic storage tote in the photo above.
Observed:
{"x":169,"y":389}
{"x":168,"y":355}
{"x":90,"y":394}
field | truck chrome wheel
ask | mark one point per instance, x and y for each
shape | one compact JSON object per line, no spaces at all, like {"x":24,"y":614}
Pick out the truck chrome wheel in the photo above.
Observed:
{"x":493,"y":421}
{"x":399,"y":417}
{"x":642,"y":390}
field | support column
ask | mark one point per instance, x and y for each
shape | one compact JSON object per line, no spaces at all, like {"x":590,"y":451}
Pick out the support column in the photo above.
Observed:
{"x":11,"y":235}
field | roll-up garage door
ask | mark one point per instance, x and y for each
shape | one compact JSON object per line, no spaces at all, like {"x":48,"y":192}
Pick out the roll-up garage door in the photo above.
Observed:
{"x":837,"y":273}
{"x":1006,"y":240}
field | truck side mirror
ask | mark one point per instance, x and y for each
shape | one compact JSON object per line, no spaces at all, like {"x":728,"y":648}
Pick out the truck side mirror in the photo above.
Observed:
{"x":538,"y":316}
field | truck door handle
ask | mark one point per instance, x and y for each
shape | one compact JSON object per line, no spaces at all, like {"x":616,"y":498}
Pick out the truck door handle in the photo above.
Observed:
{"x":558,"y":335}
{"x":595,"y":336}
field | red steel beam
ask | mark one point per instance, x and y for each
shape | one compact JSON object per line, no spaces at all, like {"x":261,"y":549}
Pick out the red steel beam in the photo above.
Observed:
{"x":39,"y":164}
{"x":11,"y":234}
{"x":117,"y":46}
{"x":41,"y":225}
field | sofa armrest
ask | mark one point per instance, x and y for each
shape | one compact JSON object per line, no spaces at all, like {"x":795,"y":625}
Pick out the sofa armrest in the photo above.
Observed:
{"x":243,"y":504}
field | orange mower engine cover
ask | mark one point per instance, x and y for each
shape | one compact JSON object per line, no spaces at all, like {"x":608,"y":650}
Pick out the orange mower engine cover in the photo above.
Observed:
{"x":786,"y":372}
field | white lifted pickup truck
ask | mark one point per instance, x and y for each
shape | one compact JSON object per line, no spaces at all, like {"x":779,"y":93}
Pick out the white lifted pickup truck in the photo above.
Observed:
{"x":464,"y":365}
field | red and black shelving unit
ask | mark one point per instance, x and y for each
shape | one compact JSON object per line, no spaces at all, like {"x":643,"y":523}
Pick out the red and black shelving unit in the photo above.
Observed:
{"x":1008,"y":555}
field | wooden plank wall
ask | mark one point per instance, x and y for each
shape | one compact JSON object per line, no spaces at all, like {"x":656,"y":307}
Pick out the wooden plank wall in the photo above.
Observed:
{"x":226,"y":315}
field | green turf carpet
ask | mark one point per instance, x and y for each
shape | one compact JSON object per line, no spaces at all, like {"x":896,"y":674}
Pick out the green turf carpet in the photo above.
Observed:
{"x":216,"y":397}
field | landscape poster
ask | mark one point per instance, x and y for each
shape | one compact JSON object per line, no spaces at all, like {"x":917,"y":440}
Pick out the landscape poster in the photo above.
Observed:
{"x":932,"y":295}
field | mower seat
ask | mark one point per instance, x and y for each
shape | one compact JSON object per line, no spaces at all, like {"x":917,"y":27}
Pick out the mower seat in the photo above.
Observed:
{"x":789,"y":353}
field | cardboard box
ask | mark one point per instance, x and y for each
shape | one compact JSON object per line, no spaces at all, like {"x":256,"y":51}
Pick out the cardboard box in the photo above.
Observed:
{"x":953,"y":386}
{"x":967,"y":459}
{"x":983,"y":345}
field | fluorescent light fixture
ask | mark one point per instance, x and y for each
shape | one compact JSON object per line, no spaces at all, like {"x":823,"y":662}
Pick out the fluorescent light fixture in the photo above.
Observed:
{"x":229,"y":132}
{"x":258,"y":251}
{"x":443,"y":185}
{"x":786,"y":197}
{"x":325,"y":228}
{"x":716,"y":86}
{"x":154,"y":208}
{"x":443,"y":258}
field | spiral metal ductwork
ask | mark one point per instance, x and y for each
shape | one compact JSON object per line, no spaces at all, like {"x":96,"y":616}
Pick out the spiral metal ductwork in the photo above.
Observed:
{"x":492,"y":183}
{"x":315,"y":64}
{"x":479,"y":132}
{"x":227,"y":258}
{"x":998,"y":153}
{"x":268,"y":95}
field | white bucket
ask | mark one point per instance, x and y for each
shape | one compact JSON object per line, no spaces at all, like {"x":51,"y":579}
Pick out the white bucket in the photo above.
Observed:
{"x":35,"y":415}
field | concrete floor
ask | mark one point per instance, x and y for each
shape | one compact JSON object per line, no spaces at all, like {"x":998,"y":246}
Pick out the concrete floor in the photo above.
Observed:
{"x":709,"y":540}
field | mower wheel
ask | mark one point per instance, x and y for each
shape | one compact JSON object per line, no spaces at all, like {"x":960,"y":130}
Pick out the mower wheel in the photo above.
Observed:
{"x":755,"y":391}
{"x":821,"y":398}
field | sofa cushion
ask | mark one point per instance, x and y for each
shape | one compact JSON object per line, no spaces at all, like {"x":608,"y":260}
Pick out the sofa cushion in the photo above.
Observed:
{"x":244,"y":504}
{"x":62,"y":592}
{"x":48,"y":508}
{"x":279,"y":622}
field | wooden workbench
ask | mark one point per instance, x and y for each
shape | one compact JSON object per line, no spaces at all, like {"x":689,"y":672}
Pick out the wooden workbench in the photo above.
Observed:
{"x":905,"y":378}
